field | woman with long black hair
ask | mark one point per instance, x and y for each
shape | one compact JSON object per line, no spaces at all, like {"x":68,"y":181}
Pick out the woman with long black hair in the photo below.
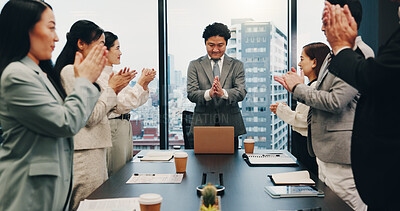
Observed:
{"x":90,"y":144}
{"x":37,"y":118}
{"x":121,"y":151}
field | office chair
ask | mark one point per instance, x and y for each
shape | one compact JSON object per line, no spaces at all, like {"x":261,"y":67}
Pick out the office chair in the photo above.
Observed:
{"x":186,"y":122}
{"x":1,"y":133}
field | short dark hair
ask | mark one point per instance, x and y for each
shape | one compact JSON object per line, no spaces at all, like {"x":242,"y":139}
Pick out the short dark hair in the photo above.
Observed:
{"x":354,"y":6}
{"x":110,"y":39}
{"x":217,"y":29}
{"x":317,"y":51}
{"x":83,"y":30}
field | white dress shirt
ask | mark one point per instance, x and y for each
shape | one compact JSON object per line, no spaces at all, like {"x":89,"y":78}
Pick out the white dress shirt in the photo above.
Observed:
{"x":128,"y":98}
{"x":207,"y":92}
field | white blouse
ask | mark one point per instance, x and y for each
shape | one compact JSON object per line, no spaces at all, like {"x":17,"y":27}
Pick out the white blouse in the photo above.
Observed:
{"x":298,"y":118}
{"x":128,"y":98}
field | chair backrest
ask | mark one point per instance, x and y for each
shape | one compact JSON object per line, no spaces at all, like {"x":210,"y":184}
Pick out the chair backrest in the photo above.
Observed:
{"x":1,"y":133}
{"x":186,"y":123}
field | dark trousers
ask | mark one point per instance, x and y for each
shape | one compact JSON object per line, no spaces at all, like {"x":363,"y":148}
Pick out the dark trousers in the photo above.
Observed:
{"x":300,"y":151}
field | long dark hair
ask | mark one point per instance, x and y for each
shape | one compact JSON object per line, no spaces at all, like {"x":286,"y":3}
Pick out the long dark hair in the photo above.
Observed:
{"x":110,"y":39}
{"x":83,"y":30}
{"x":317,"y":51}
{"x":17,"y":18}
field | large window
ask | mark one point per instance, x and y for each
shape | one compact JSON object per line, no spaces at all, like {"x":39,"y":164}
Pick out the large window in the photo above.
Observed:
{"x":309,"y":24}
{"x":135,"y":24}
{"x":259,"y":39}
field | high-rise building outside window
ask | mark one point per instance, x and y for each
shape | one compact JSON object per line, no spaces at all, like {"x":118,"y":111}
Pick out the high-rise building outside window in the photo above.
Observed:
{"x":258,"y":38}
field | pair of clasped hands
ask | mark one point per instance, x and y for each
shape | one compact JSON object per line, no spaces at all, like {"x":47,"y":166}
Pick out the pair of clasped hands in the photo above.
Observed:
{"x":216,"y":89}
{"x":93,"y":64}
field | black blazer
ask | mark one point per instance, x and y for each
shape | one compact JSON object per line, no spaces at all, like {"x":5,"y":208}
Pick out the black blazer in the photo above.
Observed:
{"x":375,"y":149}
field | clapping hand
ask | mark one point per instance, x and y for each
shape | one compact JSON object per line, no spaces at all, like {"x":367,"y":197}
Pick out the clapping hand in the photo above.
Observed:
{"x":146,"y":77}
{"x":281,"y":80}
{"x":91,"y":66}
{"x":120,"y":80}
{"x":274,"y":107}
{"x":292,"y":79}
{"x":340,"y":26}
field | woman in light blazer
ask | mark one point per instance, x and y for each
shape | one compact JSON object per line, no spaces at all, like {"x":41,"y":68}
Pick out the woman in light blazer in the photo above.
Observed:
{"x":90,"y":169}
{"x":129,"y":98}
{"x":37,"y":118}
{"x":311,"y":60}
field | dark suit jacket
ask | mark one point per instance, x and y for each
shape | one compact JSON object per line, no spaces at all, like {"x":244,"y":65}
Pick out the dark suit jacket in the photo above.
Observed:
{"x":200,"y":78}
{"x":375,"y":141}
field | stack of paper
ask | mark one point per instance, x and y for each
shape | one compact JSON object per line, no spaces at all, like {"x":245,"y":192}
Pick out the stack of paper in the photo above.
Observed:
{"x":118,"y":204}
{"x":292,"y":178}
{"x":158,"y":156}
{"x":155,"y":178}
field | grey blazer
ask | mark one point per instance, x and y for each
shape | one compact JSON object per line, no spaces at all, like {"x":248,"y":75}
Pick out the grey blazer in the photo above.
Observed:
{"x":200,"y":78}
{"x":333,"y":103}
{"x":36,"y":155}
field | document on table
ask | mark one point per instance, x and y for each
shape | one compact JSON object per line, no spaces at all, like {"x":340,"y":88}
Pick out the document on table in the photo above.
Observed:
{"x":155,"y":178}
{"x":158,"y":155}
{"x":117,"y":204}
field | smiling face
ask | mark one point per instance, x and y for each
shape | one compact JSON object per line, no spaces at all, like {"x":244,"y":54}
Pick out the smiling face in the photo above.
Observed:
{"x":307,"y":65}
{"x":114,"y":54}
{"x":216,"y":47}
{"x":43,"y":37}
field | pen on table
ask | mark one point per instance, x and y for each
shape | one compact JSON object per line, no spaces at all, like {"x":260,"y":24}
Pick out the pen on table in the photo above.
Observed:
{"x":137,"y":174}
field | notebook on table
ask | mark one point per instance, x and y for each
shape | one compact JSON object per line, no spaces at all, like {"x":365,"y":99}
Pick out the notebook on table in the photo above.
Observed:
{"x":270,"y":157}
{"x":292,"y":178}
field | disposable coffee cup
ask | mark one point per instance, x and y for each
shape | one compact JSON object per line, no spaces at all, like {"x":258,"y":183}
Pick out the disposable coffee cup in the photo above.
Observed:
{"x":150,"y":202}
{"x":180,"y":161}
{"x":249,"y":145}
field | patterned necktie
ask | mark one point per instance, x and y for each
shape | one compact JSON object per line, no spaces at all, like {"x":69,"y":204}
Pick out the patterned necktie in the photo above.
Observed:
{"x":216,"y":71}
{"x":309,"y":123}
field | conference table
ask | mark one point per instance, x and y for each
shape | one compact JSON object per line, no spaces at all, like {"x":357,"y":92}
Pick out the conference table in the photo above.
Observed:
{"x":244,"y":185}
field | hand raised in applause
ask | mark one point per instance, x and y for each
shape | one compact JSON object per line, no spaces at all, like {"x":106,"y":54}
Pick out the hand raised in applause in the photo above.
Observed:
{"x":274,"y":107}
{"x":280,"y":79}
{"x":92,"y":66}
{"x":146,"y":77}
{"x":340,"y":26}
{"x":120,"y":80}
{"x":292,"y":79}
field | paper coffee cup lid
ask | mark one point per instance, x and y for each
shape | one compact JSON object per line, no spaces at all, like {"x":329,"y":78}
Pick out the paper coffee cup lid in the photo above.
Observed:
{"x":248,"y":141}
{"x":150,"y":198}
{"x":181,"y":154}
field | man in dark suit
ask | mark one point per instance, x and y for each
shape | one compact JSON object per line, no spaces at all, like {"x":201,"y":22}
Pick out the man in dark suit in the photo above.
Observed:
{"x":375,"y":140}
{"x":216,"y":83}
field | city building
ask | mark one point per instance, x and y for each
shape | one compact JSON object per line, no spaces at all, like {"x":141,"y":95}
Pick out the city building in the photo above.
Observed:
{"x":262,"y":47}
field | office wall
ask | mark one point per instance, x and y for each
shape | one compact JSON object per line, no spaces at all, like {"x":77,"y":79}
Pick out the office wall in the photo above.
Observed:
{"x":379,"y":21}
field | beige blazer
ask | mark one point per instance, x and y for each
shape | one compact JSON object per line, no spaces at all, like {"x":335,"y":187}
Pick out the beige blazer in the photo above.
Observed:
{"x":96,"y":133}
